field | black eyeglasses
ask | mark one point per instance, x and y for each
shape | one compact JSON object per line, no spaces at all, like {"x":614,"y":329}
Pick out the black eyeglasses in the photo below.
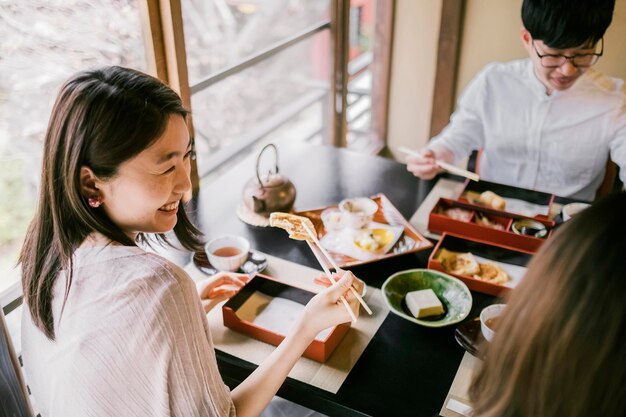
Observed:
{"x":578,"y":60}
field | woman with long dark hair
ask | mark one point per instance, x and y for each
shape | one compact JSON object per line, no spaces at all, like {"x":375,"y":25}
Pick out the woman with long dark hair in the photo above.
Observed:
{"x":109,"y":329}
{"x":560,"y":348}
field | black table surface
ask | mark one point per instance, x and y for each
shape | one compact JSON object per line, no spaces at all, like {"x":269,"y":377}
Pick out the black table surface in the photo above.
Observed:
{"x":406,"y":369}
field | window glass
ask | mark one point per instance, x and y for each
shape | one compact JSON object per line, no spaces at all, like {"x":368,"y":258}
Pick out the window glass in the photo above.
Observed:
{"x":285,"y":95}
{"x":42,"y":43}
{"x":219,"y":34}
{"x":359,"y":112}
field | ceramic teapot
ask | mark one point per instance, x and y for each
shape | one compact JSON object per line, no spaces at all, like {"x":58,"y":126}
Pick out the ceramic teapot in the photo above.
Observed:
{"x":271,"y":193}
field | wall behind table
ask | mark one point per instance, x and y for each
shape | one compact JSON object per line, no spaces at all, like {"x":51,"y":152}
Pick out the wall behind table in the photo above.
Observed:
{"x":491,"y":32}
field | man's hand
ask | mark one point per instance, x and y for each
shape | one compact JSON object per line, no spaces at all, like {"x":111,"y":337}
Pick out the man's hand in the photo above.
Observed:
{"x":423,"y":166}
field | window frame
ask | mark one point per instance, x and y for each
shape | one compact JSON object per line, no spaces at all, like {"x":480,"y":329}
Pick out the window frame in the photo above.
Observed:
{"x":163,"y":29}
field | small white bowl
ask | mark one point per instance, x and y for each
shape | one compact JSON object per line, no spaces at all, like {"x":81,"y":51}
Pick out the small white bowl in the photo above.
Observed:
{"x":571,"y":209}
{"x":333,"y":219}
{"x":489,"y":312}
{"x":358,"y":211}
{"x":227,"y":253}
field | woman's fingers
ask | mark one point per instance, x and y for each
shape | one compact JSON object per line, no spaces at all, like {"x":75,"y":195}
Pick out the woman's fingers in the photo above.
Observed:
{"x":322,"y":280}
{"x":342,"y":286}
{"x":206,"y":286}
{"x":357,"y":284}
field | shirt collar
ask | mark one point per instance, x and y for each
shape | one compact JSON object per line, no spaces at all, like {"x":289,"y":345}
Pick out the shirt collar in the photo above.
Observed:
{"x":536,"y":85}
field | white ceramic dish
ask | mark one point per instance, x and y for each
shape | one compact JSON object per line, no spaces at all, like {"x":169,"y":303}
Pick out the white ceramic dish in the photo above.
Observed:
{"x":358,"y":211}
{"x":490,"y":312}
{"x":230,"y":263}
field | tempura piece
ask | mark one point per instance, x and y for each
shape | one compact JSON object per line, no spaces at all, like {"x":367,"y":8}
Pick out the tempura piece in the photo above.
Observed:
{"x":492,"y":273}
{"x":460,"y":263}
{"x":492,"y":200}
{"x":294,"y":225}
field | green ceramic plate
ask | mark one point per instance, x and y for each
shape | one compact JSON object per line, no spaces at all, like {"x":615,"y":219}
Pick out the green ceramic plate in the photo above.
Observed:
{"x":453,"y":294}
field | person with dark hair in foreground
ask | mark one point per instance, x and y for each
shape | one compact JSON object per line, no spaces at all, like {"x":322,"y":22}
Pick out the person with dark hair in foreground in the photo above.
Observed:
{"x":560,"y":349}
{"x":109,"y":329}
{"x":549,"y":122}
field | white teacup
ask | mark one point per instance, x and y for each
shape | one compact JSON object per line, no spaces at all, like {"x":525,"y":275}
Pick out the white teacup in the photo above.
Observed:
{"x":227,"y":253}
{"x":358,"y":211}
{"x":487,"y":319}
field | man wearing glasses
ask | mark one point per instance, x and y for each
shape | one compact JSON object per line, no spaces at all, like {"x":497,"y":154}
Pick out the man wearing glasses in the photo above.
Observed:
{"x":549,"y":122}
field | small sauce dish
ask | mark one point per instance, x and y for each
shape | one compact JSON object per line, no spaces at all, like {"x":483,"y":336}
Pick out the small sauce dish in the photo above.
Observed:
{"x":529,"y":227}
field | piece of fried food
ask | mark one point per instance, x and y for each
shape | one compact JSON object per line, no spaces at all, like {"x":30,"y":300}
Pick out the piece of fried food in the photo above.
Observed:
{"x":492,"y":200}
{"x":461,"y":263}
{"x":296,"y":226}
{"x":492,"y":273}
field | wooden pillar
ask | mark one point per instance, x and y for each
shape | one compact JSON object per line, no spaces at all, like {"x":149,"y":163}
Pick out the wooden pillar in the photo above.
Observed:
{"x":381,"y":67}
{"x":340,"y":22}
{"x":162,"y":23}
{"x":450,"y":35}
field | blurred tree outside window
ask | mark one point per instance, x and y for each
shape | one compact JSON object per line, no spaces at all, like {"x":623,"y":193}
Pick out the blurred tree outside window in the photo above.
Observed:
{"x":284,"y":96}
{"x":42,"y":43}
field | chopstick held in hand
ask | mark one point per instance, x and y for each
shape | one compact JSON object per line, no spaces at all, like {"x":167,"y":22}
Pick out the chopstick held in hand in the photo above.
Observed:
{"x":453,"y":169}
{"x":334,"y":265}
{"x":330,"y":277}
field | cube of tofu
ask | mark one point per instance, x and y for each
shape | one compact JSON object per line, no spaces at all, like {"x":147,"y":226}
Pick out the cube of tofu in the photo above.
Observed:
{"x":424,"y":303}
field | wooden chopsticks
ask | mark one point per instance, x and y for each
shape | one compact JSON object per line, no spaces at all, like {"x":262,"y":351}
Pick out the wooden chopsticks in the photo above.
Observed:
{"x":453,"y":169}
{"x":328,"y":259}
{"x":330,"y":277}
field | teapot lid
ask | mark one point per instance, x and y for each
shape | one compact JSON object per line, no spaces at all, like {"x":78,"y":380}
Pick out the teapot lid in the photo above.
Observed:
{"x":273,"y":179}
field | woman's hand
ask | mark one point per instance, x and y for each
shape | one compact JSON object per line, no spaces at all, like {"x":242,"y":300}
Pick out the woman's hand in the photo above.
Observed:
{"x":326,"y":309}
{"x":219,"y":287}
{"x":324,"y":281}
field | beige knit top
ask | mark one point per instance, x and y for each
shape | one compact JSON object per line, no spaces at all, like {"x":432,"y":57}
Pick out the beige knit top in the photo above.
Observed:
{"x":133,"y":340}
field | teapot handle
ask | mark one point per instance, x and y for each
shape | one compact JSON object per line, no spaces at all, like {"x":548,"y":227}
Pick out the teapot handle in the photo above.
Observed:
{"x":258,"y":161}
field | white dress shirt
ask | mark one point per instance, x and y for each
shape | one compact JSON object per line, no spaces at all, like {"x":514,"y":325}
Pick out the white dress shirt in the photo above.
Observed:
{"x":132,"y":340}
{"x":557,"y":143}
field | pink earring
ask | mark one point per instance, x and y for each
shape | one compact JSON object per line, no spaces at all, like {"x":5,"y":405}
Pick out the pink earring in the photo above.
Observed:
{"x":94,"y":202}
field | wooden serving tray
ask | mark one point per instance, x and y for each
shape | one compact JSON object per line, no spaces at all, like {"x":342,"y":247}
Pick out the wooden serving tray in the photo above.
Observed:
{"x":410,"y":241}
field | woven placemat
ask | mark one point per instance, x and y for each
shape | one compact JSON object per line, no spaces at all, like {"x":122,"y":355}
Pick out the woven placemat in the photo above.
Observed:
{"x":328,"y":376}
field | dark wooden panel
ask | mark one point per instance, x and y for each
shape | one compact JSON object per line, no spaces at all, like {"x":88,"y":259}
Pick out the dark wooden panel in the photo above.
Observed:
{"x":13,"y":402}
{"x":381,"y":67}
{"x":450,"y":34}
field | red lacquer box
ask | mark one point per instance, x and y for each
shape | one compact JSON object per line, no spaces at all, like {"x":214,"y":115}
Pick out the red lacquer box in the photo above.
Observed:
{"x":439,"y":222}
{"x":529,"y":199}
{"x":512,"y":260}
{"x":256,"y":294}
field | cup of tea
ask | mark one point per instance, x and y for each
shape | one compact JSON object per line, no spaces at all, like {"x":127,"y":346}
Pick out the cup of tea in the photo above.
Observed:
{"x":227,"y":253}
{"x":489,"y":318}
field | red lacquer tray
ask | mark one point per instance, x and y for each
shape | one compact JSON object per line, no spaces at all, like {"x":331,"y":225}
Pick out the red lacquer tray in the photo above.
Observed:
{"x":409,"y":241}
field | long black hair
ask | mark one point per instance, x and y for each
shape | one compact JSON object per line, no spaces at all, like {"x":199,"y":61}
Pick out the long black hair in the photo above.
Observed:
{"x":100,"y":119}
